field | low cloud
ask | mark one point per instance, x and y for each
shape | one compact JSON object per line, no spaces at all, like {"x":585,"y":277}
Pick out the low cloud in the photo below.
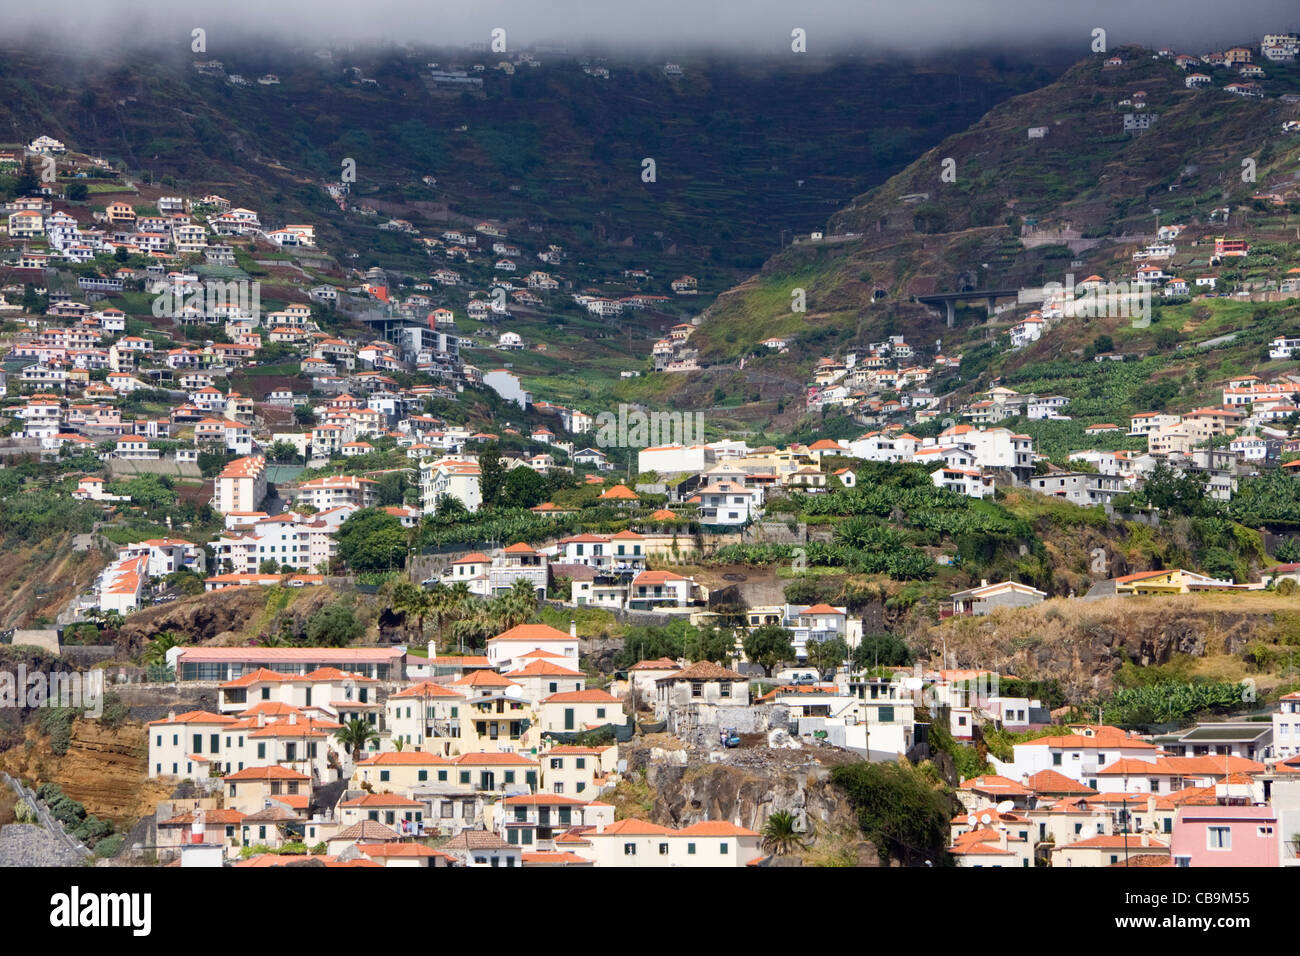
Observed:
{"x":832,"y":26}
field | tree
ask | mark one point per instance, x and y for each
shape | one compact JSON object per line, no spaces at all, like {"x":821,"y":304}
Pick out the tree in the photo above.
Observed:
{"x":33,"y":303}
{"x":355,"y":735}
{"x":827,"y":655}
{"x":1288,"y":551}
{"x":1171,"y":492}
{"x":372,"y":540}
{"x":28,"y":183}
{"x":334,"y":625}
{"x":491,"y":474}
{"x":881,"y":650}
{"x":449,"y":507}
{"x":448,"y":604}
{"x":414,"y":603}
{"x":156,"y":652}
{"x":77,"y":192}
{"x":768,"y":646}
{"x":391,"y":488}
{"x":523,"y":488}
{"x":284,"y":451}
{"x":779,"y":834}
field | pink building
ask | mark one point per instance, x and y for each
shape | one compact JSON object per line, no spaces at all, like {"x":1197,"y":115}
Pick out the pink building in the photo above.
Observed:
{"x":1225,"y":836}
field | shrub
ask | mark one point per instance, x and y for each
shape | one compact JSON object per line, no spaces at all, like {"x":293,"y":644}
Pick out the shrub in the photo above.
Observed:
{"x":898,"y":810}
{"x":115,"y":711}
{"x":110,"y":845}
{"x":56,"y":723}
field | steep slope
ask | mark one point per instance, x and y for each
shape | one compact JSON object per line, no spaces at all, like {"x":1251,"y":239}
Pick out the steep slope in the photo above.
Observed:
{"x":1019,"y":212}
{"x":743,"y":149}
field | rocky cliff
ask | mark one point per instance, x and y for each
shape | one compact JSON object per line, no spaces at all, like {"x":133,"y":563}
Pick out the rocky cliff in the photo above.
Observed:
{"x":1082,"y":644}
{"x":672,"y":785}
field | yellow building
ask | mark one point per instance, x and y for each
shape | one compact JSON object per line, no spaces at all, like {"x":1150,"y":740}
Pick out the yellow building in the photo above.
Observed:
{"x":1170,"y":581}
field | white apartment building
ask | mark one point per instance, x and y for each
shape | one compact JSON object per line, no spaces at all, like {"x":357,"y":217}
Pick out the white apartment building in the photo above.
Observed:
{"x":241,"y":486}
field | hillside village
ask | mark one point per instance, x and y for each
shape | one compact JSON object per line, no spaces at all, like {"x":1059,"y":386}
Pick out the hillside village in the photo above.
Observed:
{"x":215,"y":403}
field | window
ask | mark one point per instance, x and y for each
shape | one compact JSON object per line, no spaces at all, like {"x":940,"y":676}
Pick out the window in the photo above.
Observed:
{"x":690,"y":849}
{"x":1218,"y":838}
{"x":383,"y":776}
{"x":446,"y":809}
{"x":886,"y":715}
{"x":464,"y":776}
{"x":559,"y":788}
{"x":724,"y":689}
{"x":510,"y":776}
{"x":629,"y":849}
{"x":697,"y":689}
{"x":442,"y":776}
{"x":600,"y":712}
{"x":422,"y":775}
{"x":724,"y":848}
{"x":1264,"y":831}
{"x":581,"y":763}
{"x":663,"y":849}
{"x":1056,"y":760}
{"x":261,"y":751}
{"x":557,"y":763}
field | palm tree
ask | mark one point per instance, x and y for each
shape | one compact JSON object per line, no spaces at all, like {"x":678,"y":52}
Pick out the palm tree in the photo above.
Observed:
{"x":355,"y":735}
{"x":779,"y":835}
{"x":156,"y":652}
{"x":398,"y":744}
{"x":414,"y":603}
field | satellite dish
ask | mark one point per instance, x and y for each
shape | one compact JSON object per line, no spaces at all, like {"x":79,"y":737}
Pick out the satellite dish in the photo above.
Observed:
{"x":972,"y":819}
{"x":913,"y":683}
{"x":1006,"y":806}
{"x":986,"y":819}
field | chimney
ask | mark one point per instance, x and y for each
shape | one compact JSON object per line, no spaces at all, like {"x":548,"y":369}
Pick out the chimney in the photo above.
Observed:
{"x":293,"y":718}
{"x":573,"y":628}
{"x":171,"y":715}
{"x":984,"y":582}
{"x":261,"y":718}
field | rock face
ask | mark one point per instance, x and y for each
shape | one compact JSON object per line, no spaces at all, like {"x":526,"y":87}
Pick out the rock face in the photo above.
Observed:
{"x":104,"y":769}
{"x":229,"y":616}
{"x":1082,"y":644}
{"x":748,"y":784}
